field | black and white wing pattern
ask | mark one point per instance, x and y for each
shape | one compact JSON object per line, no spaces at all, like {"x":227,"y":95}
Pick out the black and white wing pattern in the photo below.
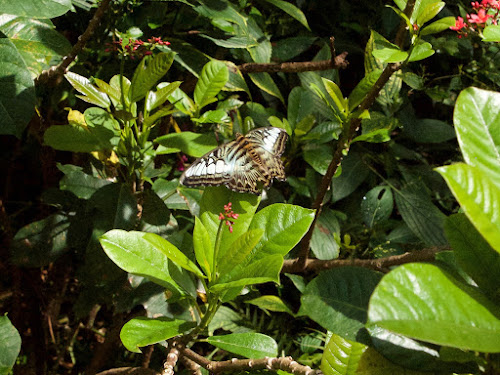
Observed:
{"x":243,"y":165}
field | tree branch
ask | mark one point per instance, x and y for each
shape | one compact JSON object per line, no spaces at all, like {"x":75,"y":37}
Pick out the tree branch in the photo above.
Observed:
{"x":380,"y":264}
{"x":172,"y":358}
{"x":60,"y":69}
{"x":339,"y":62}
{"x":344,"y":143}
{"x":281,"y":363}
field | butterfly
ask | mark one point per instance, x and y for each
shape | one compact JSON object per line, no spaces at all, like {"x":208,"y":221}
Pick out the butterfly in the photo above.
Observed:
{"x":243,"y":165}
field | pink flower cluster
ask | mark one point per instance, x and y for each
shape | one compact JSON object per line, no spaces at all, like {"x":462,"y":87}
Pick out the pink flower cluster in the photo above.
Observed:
{"x":227,"y":215}
{"x":486,"y":11}
{"x":136,"y":47}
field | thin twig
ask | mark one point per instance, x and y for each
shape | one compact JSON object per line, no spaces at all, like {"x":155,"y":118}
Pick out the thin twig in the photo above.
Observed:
{"x":343,"y":147}
{"x":57,"y":70}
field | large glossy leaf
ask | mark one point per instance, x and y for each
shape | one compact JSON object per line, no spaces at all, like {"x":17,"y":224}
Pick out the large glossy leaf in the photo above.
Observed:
{"x":358,"y":94}
{"x":135,"y":254}
{"x":37,"y":41}
{"x":212,"y":79}
{"x":429,"y":12}
{"x":354,"y":172}
{"x":192,"y":144}
{"x":249,"y":345}
{"x":341,"y":356}
{"x":17,"y":96}
{"x":300,"y":105}
{"x":212,"y":204}
{"x":477,"y":123}
{"x":283,"y":226}
{"x":337,"y":299}
{"x":479,"y":197}
{"x":240,"y":254}
{"x":36,"y":8}
{"x":424,"y":302}
{"x":172,"y":253}
{"x":148,"y":73}
{"x":474,"y":254}
{"x":10,"y":345}
{"x":421,"y":215}
{"x":144,"y":331}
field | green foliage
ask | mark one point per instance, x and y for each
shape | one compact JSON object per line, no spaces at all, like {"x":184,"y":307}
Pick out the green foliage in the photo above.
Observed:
{"x":122,"y":236}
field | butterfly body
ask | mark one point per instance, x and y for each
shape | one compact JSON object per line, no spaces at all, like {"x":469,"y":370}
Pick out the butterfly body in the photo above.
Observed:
{"x":242,"y":165}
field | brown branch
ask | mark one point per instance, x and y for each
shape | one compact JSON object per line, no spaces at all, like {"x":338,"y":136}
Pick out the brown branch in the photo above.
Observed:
{"x":339,"y":62}
{"x":192,"y":366}
{"x":343,"y":146}
{"x":380,"y":264}
{"x":129,"y":371}
{"x":282,"y":363}
{"x":172,"y":358}
{"x":60,"y":69}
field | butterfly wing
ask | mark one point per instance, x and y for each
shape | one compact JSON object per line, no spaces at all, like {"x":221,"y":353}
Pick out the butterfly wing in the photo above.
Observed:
{"x":242,"y":164}
{"x":228,"y":165}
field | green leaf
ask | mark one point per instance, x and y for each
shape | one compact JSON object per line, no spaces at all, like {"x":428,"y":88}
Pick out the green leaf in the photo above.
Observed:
{"x":216,"y":116}
{"x":318,"y":156}
{"x":233,"y":42}
{"x":337,"y":299}
{"x":17,"y":96}
{"x":37,"y":41}
{"x":236,"y":81}
{"x":265,"y":82}
{"x":36,"y":8}
{"x":262,"y":271}
{"x":192,"y":144}
{"x":182,"y":102}
{"x":162,"y":112}
{"x":429,"y":131}
{"x":477,"y":123}
{"x":10,"y":345}
{"x":149,"y":71}
{"x":323,"y":243}
{"x":71,"y":138}
{"x":429,"y":12}
{"x":334,"y":91}
{"x":300,"y":105}
{"x":292,"y":10}
{"x":283,"y":226}
{"x":172,"y":253}
{"x":341,"y":356}
{"x":479,"y":197}
{"x":41,"y":242}
{"x":271,"y":303}
{"x":354,"y":172}
{"x":377,"y":205}
{"x":78,"y":182}
{"x":413,"y":80}
{"x":158,"y":97}
{"x":241,"y":253}
{"x":213,"y":77}
{"x":441,"y":25}
{"x":474,"y":254}
{"x":91,"y":94}
{"x":249,"y":345}
{"x":443,"y":310}
{"x":362,"y":88}
{"x":421,"y":215}
{"x":421,"y":51}
{"x":212,"y":204}
{"x":491,"y":33}
{"x":133,"y":253}
{"x":144,"y":331}
{"x":203,"y":248}
{"x":390,"y":55}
